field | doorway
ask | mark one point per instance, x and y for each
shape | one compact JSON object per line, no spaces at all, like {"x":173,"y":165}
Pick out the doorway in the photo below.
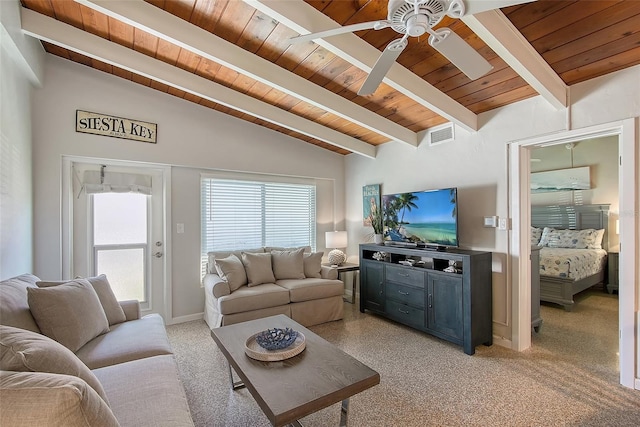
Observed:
{"x":116,"y":222}
{"x":520,"y":213}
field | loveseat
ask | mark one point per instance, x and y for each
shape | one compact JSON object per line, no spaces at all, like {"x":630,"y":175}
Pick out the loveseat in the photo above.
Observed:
{"x":71,"y":355}
{"x":250,"y":284}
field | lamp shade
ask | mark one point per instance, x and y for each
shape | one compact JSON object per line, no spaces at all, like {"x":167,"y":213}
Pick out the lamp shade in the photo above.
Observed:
{"x":336,"y":239}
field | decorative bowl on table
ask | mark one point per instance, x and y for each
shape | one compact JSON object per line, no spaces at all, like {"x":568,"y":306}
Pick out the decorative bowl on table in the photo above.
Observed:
{"x":275,"y":344}
{"x":276,"y":338}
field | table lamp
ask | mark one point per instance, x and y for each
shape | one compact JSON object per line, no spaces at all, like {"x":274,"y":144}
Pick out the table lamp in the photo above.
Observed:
{"x":336,"y":239}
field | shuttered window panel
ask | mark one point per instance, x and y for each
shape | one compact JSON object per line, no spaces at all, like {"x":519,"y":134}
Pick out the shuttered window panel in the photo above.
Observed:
{"x":240,"y":214}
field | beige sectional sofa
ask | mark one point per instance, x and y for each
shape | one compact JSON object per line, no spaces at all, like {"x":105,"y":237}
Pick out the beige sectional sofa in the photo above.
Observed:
{"x":256,"y":283}
{"x":126,"y":375}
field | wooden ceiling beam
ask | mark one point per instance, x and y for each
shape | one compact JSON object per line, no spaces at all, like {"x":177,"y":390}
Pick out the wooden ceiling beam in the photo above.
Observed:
{"x":166,"y":26}
{"x":504,"y":38}
{"x":304,"y":19}
{"x":60,"y":34}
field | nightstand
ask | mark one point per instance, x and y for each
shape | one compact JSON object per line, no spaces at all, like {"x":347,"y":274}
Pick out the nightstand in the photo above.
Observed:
{"x":613,"y":259}
{"x":343,"y":268}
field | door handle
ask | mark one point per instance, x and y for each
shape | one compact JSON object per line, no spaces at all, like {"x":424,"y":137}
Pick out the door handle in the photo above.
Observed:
{"x":158,"y":255}
{"x":403,"y":293}
{"x":402,"y":311}
{"x":430,"y":300}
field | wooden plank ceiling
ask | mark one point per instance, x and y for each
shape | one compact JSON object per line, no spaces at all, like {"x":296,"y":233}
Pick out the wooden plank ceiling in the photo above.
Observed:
{"x":579,"y":40}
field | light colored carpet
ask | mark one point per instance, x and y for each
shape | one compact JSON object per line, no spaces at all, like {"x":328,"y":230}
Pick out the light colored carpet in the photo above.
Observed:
{"x":568,"y":378}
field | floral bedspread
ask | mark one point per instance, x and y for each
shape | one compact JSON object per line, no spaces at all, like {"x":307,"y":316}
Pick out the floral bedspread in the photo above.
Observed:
{"x":574,"y":264}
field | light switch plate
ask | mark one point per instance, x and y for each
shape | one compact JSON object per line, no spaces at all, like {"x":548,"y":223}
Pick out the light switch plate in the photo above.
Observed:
{"x":491,"y":221}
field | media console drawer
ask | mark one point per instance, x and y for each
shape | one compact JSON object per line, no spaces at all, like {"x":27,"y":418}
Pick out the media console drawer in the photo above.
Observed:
{"x":404,"y":275}
{"x":406,"y":314}
{"x":405,"y":294}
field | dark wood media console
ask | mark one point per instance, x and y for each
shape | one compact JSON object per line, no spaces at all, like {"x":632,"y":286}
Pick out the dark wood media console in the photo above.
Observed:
{"x":455,"y":306}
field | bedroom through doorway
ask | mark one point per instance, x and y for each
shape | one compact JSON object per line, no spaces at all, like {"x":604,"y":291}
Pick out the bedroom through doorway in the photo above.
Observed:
{"x":586,"y":331}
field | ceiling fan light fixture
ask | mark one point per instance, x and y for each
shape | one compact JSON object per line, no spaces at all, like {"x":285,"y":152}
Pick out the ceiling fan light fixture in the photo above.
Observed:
{"x":417,"y":25}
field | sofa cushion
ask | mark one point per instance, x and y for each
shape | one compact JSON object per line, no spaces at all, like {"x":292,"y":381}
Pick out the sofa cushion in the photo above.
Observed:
{"x":14,"y":307}
{"x":157,"y":379}
{"x":44,"y":399}
{"x":28,"y":351}
{"x":127,"y":341}
{"x":288,"y":264}
{"x":253,"y":298}
{"x":310,"y":289}
{"x":312,"y":263}
{"x":70,"y":313}
{"x":231,"y":270}
{"x":108,"y":300}
{"x":258,"y":268}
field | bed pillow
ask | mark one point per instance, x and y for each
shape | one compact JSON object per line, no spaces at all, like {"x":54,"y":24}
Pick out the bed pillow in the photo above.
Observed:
{"x":258,"y":268}
{"x":597,"y":244}
{"x":107,"y":298}
{"x":313,"y":265}
{"x":288,"y":264}
{"x":536,"y":233}
{"x":231,"y":270}
{"x":575,"y":239}
{"x":70,"y":313}
{"x":27,"y":351}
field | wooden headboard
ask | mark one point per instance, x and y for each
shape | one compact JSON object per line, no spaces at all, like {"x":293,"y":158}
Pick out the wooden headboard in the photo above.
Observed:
{"x":573,"y":217}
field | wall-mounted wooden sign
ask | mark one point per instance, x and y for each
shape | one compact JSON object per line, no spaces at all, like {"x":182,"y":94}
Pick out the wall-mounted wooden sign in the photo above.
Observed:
{"x":117,"y":127}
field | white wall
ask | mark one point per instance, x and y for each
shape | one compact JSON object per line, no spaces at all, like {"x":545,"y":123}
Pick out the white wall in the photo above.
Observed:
{"x":476,"y":163}
{"x":16,"y":220}
{"x":191,"y":138}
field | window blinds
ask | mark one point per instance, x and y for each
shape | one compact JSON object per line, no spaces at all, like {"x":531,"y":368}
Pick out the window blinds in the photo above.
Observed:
{"x":240,"y":214}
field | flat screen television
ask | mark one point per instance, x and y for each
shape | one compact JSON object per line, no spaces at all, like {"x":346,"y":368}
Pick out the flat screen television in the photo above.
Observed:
{"x":422,"y":218}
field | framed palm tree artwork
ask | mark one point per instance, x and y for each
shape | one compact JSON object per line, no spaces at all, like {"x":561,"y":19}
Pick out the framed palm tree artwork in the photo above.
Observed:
{"x":370,"y":203}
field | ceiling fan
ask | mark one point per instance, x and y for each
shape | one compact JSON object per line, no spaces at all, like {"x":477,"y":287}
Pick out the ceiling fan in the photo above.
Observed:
{"x":414,"y":18}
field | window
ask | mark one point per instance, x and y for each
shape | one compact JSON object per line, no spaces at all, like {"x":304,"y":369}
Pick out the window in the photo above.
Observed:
{"x":249,"y":214}
{"x":120,"y":242}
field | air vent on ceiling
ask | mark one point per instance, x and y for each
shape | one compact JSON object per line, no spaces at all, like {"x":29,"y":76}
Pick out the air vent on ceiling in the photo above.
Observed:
{"x":440,"y":134}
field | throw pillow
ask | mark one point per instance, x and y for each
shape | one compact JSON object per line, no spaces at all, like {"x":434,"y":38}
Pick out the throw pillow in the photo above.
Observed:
{"x":231,"y":270}
{"x":27,"y":351}
{"x":536,"y":233}
{"x":108,"y":300}
{"x":313,"y":264}
{"x":288,"y":264}
{"x":258,"y":268}
{"x":39,"y":399}
{"x":69,"y":313}
{"x":546,"y":234}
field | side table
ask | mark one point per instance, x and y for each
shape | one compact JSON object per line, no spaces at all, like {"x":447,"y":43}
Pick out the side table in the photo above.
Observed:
{"x":613,"y":258}
{"x":343,"y":268}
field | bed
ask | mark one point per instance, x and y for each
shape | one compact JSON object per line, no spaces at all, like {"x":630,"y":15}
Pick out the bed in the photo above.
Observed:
{"x":566,"y":271}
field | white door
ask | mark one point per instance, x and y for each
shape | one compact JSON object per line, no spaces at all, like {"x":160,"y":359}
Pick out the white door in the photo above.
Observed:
{"x":118,"y":230}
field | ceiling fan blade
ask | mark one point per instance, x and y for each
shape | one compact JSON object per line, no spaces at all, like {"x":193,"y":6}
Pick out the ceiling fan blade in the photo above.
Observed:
{"x":384,"y":62}
{"x":376,"y":25}
{"x":463,"y":56}
{"x":477,"y":6}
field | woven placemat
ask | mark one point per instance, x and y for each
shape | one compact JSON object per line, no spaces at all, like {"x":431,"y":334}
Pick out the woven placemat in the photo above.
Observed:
{"x":254,"y":351}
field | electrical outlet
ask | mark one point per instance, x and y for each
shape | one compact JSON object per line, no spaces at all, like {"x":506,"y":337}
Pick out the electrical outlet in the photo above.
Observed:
{"x":179,"y":228}
{"x":503,"y":224}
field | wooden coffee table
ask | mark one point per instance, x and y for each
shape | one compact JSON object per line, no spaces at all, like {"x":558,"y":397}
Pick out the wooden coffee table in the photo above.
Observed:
{"x":293,"y":388}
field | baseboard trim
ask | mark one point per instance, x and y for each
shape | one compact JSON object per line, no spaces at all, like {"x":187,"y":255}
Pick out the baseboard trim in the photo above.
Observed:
{"x":502,"y":342}
{"x":187,"y":318}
